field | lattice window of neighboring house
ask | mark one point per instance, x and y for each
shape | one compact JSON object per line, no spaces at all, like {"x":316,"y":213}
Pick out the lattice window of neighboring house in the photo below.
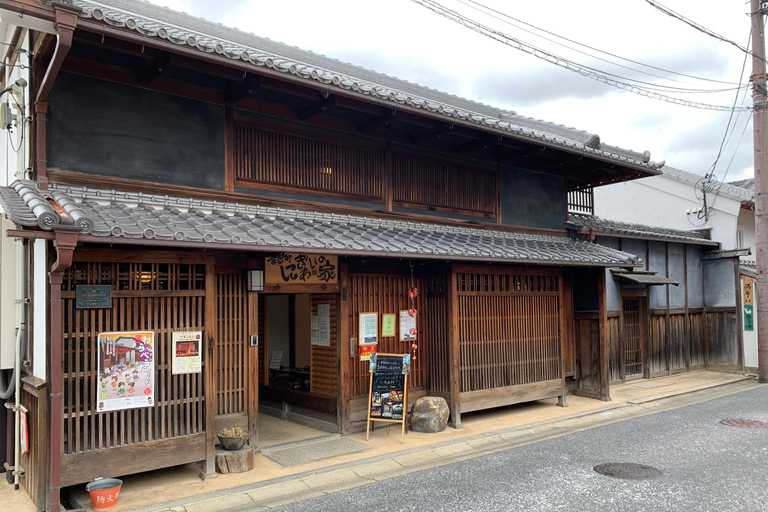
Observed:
{"x":580,"y":198}
{"x":291,"y":161}
{"x":418,"y":182}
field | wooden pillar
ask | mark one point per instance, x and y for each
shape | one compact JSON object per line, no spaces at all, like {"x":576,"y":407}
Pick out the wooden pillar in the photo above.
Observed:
{"x":563,"y":313}
{"x":667,"y":335}
{"x":345,"y":353}
{"x":229,"y":149}
{"x":454,"y":353}
{"x":687,"y":326}
{"x":739,"y":316}
{"x":604,"y":352}
{"x":209,"y":465}
{"x":253,"y":371}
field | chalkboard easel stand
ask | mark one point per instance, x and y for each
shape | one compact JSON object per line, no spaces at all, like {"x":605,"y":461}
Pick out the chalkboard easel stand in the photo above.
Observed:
{"x":402,"y":421}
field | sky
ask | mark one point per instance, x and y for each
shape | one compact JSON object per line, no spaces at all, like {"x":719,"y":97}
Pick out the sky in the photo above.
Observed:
{"x":404,"y":39}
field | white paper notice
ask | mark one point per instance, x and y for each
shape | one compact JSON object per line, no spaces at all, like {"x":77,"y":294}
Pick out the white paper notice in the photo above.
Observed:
{"x":324,"y":325}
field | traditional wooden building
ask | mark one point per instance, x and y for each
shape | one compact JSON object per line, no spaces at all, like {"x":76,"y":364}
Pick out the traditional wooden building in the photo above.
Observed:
{"x":678,"y":311}
{"x":190,"y":178}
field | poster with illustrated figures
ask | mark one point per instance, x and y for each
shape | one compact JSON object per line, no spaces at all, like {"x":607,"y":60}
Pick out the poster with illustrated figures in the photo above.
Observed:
{"x":126,"y":370}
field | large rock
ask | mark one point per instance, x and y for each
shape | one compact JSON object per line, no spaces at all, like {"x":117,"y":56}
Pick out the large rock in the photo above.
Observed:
{"x":430,"y":415}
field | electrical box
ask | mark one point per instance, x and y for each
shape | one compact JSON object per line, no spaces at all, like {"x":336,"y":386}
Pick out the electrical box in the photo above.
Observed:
{"x":9,"y":281}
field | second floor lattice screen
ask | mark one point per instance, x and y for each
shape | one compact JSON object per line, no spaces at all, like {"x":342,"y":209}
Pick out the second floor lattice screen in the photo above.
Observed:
{"x":581,"y":198}
{"x":298,"y":162}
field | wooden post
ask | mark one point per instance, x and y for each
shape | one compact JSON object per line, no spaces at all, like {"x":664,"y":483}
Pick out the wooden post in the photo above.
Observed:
{"x":561,"y":401}
{"x":739,"y":317}
{"x":605,"y":392}
{"x":687,"y":326}
{"x":253,"y":371}
{"x":342,"y":356}
{"x":209,"y":466}
{"x":388,"y":184}
{"x":667,"y":335}
{"x":229,"y":149}
{"x":454,"y":353}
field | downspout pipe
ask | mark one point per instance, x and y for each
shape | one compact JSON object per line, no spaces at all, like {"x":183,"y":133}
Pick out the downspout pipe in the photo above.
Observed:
{"x":66,"y":16}
{"x":65,"y":242}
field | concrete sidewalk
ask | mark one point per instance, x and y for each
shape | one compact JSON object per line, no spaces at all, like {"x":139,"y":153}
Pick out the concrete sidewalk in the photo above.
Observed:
{"x":270,"y":484}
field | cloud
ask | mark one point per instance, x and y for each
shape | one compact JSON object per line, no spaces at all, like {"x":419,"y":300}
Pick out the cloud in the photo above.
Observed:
{"x":212,"y":11}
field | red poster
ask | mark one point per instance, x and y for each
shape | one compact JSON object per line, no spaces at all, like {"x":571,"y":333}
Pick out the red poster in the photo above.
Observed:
{"x":24,"y":434}
{"x":366,"y":349}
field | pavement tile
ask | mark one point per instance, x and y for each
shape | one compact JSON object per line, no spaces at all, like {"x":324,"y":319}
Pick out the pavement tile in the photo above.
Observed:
{"x":325,"y":481}
{"x":291,"y":498}
{"x":414,"y":459}
{"x":371,"y":470}
{"x":453,"y":450}
{"x":220,"y":504}
{"x":278,"y":490}
{"x":485,"y":442}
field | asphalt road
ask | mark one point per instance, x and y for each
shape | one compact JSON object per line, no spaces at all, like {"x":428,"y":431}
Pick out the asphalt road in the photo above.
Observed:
{"x":705,"y":465}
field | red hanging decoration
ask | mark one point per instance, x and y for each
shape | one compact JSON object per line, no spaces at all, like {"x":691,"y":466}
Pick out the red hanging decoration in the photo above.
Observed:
{"x":412,"y":331}
{"x":412,"y":312}
{"x":414,"y":346}
{"x":413,"y":292}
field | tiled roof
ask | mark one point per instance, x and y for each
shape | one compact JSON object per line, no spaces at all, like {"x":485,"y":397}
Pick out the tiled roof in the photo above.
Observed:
{"x":125,"y":217}
{"x":584,"y":223}
{"x":153,"y":21}
{"x":730,"y":190}
{"x":748,"y":184}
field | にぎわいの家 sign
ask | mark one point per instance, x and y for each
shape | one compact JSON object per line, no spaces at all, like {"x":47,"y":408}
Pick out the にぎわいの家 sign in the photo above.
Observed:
{"x":301,"y":269}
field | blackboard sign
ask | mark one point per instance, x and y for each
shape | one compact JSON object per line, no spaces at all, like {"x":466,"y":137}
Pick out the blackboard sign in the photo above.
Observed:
{"x":94,"y":296}
{"x":387,"y":392}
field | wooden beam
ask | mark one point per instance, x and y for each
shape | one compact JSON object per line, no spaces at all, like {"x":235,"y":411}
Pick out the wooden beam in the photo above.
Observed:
{"x":343,"y":355}
{"x":375,"y":122}
{"x":437,"y":132}
{"x":242,"y":89}
{"x":154,"y":69}
{"x":316,"y":107}
{"x":211,"y":364}
{"x":253,"y":371}
{"x":472,"y":146}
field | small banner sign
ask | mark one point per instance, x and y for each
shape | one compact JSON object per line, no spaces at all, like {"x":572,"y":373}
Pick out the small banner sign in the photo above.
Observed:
{"x":97,"y":296}
{"x":388,"y":390}
{"x":749,"y":319}
{"x":301,"y":269}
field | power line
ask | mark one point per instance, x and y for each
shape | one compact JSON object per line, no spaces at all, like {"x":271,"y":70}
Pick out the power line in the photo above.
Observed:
{"x":501,"y":14}
{"x":600,"y":76}
{"x":705,"y":30}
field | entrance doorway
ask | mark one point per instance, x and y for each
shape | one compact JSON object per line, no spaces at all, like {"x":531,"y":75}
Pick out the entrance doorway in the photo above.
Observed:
{"x":300,"y":378}
{"x":633,"y":338}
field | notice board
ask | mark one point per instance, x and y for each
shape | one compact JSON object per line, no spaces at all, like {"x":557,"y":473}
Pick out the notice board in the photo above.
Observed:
{"x":388,"y":390}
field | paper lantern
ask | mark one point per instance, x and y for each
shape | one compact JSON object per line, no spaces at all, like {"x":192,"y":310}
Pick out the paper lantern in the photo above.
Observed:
{"x":412,"y":312}
{"x":413,"y":292}
{"x":414,"y":346}
{"x":412,"y":331}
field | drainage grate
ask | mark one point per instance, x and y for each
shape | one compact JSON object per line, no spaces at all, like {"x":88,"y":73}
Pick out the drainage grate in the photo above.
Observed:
{"x":627,"y":471}
{"x":745,"y":423}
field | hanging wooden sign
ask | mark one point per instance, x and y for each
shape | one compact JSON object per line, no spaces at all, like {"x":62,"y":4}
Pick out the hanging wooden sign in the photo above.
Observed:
{"x":388,"y":390}
{"x":748,"y":301}
{"x":301,"y":269}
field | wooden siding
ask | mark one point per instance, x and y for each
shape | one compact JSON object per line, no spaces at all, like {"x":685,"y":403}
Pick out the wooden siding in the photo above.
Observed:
{"x":160,"y":297}
{"x":587,"y":341}
{"x":231,"y":344}
{"x":324,"y":375}
{"x":267,"y":157}
{"x":508,"y":329}
{"x":35,"y":462}
{"x":723,"y":337}
{"x":385,"y":293}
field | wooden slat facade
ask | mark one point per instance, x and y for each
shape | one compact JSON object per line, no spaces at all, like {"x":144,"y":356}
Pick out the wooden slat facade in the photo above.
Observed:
{"x":324,"y":376}
{"x":159,"y":297}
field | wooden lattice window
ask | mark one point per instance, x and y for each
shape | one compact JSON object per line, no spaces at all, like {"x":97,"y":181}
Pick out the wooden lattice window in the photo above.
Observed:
{"x":266,"y":159}
{"x":444,"y":185}
{"x":506,"y":283}
{"x":581,"y":198}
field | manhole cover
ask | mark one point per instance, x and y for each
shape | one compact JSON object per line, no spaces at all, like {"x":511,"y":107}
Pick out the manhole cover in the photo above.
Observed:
{"x":745,"y":423}
{"x":627,"y":471}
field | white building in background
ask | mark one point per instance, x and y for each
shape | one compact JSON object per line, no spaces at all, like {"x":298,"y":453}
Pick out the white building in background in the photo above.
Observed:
{"x":675,"y":200}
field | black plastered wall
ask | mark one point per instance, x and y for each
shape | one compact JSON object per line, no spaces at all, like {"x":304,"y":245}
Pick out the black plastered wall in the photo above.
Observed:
{"x":109,"y":129}
{"x":532,"y":199}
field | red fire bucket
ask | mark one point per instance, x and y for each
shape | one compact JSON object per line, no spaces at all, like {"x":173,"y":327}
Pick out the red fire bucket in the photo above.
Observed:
{"x":104,"y":493}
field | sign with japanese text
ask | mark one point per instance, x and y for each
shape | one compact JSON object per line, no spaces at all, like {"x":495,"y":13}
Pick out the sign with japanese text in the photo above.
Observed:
{"x":97,"y":296}
{"x":748,"y":302}
{"x":301,"y":269}
{"x":126,"y":370}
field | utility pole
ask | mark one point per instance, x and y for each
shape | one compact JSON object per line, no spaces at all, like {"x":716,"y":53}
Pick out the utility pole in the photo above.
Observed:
{"x":760,"y":124}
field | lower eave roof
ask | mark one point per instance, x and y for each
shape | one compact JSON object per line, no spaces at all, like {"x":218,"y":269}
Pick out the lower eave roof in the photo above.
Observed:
{"x":137,"y":218}
{"x":584,"y":223}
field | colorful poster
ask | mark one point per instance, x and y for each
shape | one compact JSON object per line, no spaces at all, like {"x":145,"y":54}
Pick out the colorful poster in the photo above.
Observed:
{"x":749,"y":319}
{"x":126,"y":370}
{"x":369,"y":328}
{"x":388,"y":323}
{"x":407,"y":326}
{"x":301,"y":269}
{"x":366,"y":351}
{"x":187,"y":352}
